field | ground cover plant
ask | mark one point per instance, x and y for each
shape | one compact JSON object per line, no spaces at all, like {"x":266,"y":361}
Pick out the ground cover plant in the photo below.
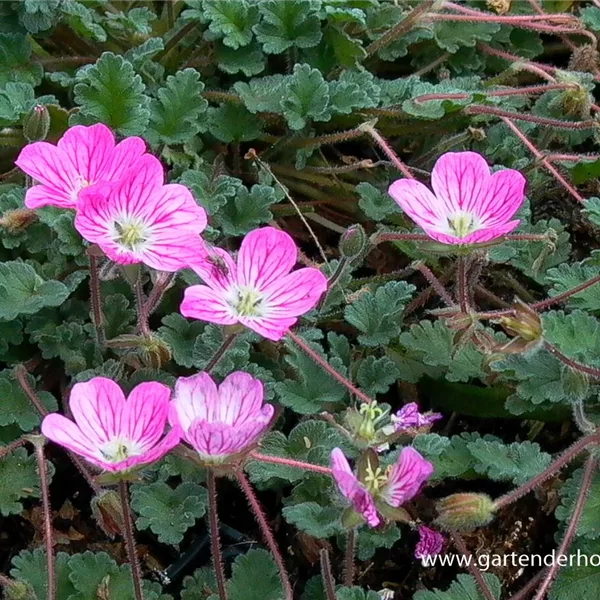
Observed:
{"x":297,"y":298}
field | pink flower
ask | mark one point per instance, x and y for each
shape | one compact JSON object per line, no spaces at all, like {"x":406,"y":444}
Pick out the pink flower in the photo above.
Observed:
{"x":84,"y":156}
{"x":469,"y":205}
{"x":430,"y":544}
{"x":393,"y":486}
{"x":138,"y":219}
{"x":258,"y":291}
{"x":112,"y":432}
{"x":220,"y":422}
{"x":409,"y":417}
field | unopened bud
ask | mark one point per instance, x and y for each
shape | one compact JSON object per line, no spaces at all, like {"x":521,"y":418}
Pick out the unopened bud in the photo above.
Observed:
{"x":353,"y":243}
{"x":108,"y":512}
{"x":525,"y":322}
{"x":464,"y":512}
{"x":18,"y":219}
{"x":18,"y":590}
{"x":576,"y":102}
{"x":36,"y":123}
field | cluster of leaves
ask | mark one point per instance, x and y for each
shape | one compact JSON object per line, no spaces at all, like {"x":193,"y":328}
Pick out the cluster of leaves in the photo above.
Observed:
{"x":204,"y":82}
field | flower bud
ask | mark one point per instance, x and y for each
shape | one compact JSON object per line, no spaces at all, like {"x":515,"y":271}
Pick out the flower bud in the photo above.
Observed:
{"x":108,"y":512}
{"x":525,"y":323}
{"x":576,"y":102}
{"x":464,"y":512}
{"x":36,"y":123}
{"x":353,"y":243}
{"x":18,"y":219}
{"x":18,"y":590}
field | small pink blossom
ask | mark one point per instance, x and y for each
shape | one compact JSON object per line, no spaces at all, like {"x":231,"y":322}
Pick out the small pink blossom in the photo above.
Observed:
{"x":83,"y":157}
{"x":430,"y":544}
{"x":469,"y":204}
{"x":221,"y":422}
{"x":393,"y":486}
{"x":112,"y":432}
{"x":260,"y":290}
{"x":139,"y":219}
{"x":409,"y":417}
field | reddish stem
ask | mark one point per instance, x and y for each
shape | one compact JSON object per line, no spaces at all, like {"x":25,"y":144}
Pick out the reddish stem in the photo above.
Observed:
{"x":586,"y":481}
{"x":128,"y":534}
{"x":289,"y":462}
{"x":96,"y":301}
{"x":384,"y":145}
{"x":327,"y":367}
{"x":215,"y":539}
{"x":462,"y":285}
{"x":349,"y":558}
{"x":267,"y":533}
{"x":564,"y":459}
{"x":573,"y":364}
{"x":541,"y":158}
{"x":460,"y":545}
{"x":326,"y":575}
{"x":435,"y":283}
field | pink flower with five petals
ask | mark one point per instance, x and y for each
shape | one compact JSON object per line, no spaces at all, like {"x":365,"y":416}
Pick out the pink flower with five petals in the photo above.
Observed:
{"x":112,"y":432}
{"x":84,"y":156}
{"x":393,"y":486}
{"x":223,"y":422}
{"x":139,"y":219}
{"x":469,"y":205}
{"x":260,"y":290}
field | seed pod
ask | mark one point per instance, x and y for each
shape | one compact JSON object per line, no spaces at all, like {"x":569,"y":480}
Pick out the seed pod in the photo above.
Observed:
{"x":36,"y":123}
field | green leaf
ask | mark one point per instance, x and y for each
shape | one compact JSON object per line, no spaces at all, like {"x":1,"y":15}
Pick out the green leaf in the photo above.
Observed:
{"x":590,"y":517}
{"x":231,"y":21}
{"x":377,"y":314}
{"x":288,"y":24}
{"x":16,"y":407}
{"x":463,"y":588}
{"x":564,"y":330}
{"x":211,"y":339}
{"x":305,"y":96}
{"x":370,"y":540}
{"x":375,"y":204}
{"x":111,"y":92}
{"x":247,"y":210}
{"x":212,"y":191}
{"x":592,"y":208}
{"x":17,"y":99}
{"x":250,"y":60}
{"x":233,"y":123}
{"x":355,"y":593}
{"x":181,"y":334}
{"x":578,"y":579}
{"x":450,"y":456}
{"x":18,"y":480}
{"x":24,"y":292}
{"x":31,"y":567}
{"x":348,"y":51}
{"x":168,"y":512}
{"x":451,"y":36}
{"x":569,"y":276}
{"x":262,"y":94}
{"x":590,"y":15}
{"x":15,"y":61}
{"x":376,"y":375}
{"x":83,"y":20}
{"x":202,"y":585}
{"x":517,"y":462}
{"x":314,"y":519}
{"x":177,"y":115}
{"x":254,"y":576}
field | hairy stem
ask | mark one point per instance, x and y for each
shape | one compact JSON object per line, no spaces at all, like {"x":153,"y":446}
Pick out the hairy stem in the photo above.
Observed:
{"x":96,"y":301}
{"x":267,"y":533}
{"x":128,"y":534}
{"x":327,"y":367}
{"x":460,"y":545}
{"x":221,"y":351}
{"x":38,"y":443}
{"x":573,"y":364}
{"x":564,"y":459}
{"x":215,"y":539}
{"x":157,"y":292}
{"x":383,"y":144}
{"x":326,"y":575}
{"x":435,"y":283}
{"x":586,"y":481}
{"x":288,"y":462}
{"x":349,"y":558}
{"x":463,"y":285}
{"x":379,"y":238}
{"x":6,"y":450}
{"x":140,"y":303}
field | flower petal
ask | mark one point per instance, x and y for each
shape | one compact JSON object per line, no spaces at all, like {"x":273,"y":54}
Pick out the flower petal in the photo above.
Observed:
{"x":490,"y":233}
{"x":145,"y":413}
{"x":171,"y":209}
{"x":214,"y":440}
{"x":460,"y":181}
{"x":273,"y":329}
{"x":295,"y":293}
{"x":98,"y":406}
{"x":44,"y":195}
{"x":406,"y":477}
{"x":240,"y":399}
{"x":504,"y":196}
{"x":195,"y":398}
{"x":266,"y":255}
{"x":49,"y":165}
{"x":419,"y":203}
{"x":204,"y":303}
{"x":431,"y":543}
{"x":64,"y":432}
{"x":215,"y":266}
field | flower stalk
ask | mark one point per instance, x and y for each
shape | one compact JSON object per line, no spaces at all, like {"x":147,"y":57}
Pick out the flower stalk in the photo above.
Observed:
{"x":349,"y":558}
{"x":288,"y":462}
{"x":261,"y":519}
{"x":215,"y":539}
{"x":128,"y":534}
{"x":326,"y":575}
{"x":96,"y":300}
{"x":217,"y":357}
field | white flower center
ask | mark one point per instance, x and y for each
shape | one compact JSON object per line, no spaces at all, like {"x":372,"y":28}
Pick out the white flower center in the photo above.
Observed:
{"x":130,"y":233}
{"x":119,"y":449}
{"x":247,"y":302}
{"x":461,"y":224}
